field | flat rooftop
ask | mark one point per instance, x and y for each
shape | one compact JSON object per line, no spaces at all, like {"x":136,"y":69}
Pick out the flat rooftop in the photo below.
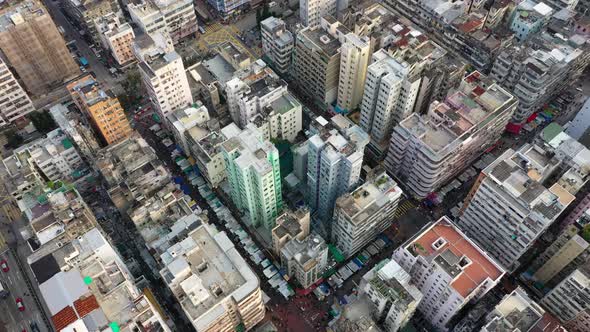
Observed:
{"x":319,"y":40}
{"x":477,"y":102}
{"x":216,"y":272}
{"x":451,"y":249}
{"x":523,"y":175}
{"x":516,"y":312}
{"x":369,"y":198}
{"x":20,"y":12}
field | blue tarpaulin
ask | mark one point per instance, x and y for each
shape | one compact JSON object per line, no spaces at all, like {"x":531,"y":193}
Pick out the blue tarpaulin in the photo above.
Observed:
{"x":186,"y":189}
{"x":83,"y":61}
{"x":357,"y":262}
{"x":178,"y":180}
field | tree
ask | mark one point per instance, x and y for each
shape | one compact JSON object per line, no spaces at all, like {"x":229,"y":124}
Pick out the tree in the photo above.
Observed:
{"x":132,"y":87}
{"x":43,"y":121}
{"x":14,"y":140}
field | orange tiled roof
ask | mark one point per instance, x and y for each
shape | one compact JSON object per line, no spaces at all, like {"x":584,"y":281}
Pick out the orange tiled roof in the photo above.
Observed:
{"x":64,"y":318}
{"x":474,"y":274}
{"x":85,"y":305}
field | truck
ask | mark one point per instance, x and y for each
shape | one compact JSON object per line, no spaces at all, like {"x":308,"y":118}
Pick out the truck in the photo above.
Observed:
{"x":83,"y":61}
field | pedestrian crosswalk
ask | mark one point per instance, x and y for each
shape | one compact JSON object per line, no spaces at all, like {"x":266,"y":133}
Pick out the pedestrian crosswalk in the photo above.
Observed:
{"x":403,"y":208}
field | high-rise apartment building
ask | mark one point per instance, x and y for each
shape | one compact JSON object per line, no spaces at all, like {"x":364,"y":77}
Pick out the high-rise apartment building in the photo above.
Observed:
{"x":261,"y":98}
{"x":175,"y":18}
{"x":281,"y":118}
{"x":55,"y":157}
{"x":539,"y":70}
{"x":102,"y":107}
{"x":354,"y":59}
{"x":253,"y":171}
{"x":312,"y":11}
{"x":518,"y":312}
{"x":117,"y":37}
{"x":425,"y":151}
{"x":425,"y":60}
{"x":361,"y":215}
{"x":569,"y":301}
{"x":205,"y":147}
{"x":14,"y":103}
{"x":390,"y":92}
{"x":277,"y":43}
{"x":448,"y":268}
{"x":316,"y":62}
{"x":569,"y":251}
{"x":214,"y":285}
{"x":518,"y":196}
{"x":306,"y":259}
{"x":251,"y":91}
{"x":85,"y":12}
{"x":34,"y":47}
{"x":334,"y":161}
{"x":392,"y":296}
{"x":163,"y":74}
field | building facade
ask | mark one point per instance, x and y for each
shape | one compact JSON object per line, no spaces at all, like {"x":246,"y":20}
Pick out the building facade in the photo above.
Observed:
{"x":277,"y":43}
{"x":316,"y":64}
{"x":305,"y":260}
{"x":389,"y":97}
{"x":175,"y":18}
{"x":334,"y":161}
{"x":393,"y":297}
{"x":117,"y":37}
{"x":448,"y":268}
{"x":519,"y":195}
{"x":103,"y":109}
{"x":14,"y":103}
{"x":363,"y":214}
{"x":569,"y":300}
{"x":354,"y":59}
{"x":569,"y":251}
{"x":539,"y":70}
{"x":425,"y":151}
{"x":163,"y":75}
{"x":312,"y":11}
{"x":43,"y":62}
{"x":253,"y":171}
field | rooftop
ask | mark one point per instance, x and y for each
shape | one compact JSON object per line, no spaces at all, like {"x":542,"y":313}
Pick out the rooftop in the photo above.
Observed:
{"x":528,"y":177}
{"x":444,"y":244}
{"x":253,"y":151}
{"x":320,"y":41}
{"x":205,"y":270}
{"x":309,"y":250}
{"x":113,"y":295}
{"x":89,"y":91}
{"x":477,"y":102}
{"x":392,"y":282}
{"x":369,"y":198}
{"x":516,"y":312}
{"x":289,"y":223}
{"x":19,"y":12}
